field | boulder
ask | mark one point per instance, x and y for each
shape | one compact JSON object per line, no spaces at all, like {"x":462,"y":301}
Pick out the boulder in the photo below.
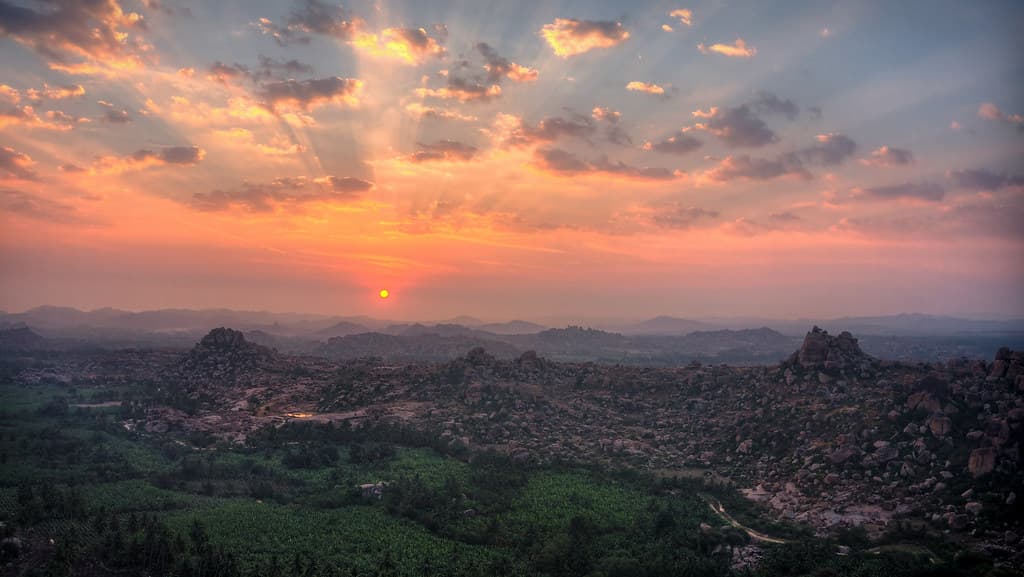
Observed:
{"x":981,"y":461}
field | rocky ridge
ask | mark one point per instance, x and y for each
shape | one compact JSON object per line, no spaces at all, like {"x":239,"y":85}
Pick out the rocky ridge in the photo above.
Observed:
{"x":830,"y":437}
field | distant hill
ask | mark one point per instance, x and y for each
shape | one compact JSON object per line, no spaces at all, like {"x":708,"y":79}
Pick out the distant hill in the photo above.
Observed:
{"x":341,"y":329}
{"x":512,"y":328}
{"x":429,"y":347}
{"x":17,"y":339}
{"x":666,"y":325}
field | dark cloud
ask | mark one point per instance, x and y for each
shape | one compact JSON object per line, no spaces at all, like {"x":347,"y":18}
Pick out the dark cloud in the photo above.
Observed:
{"x":169,"y":156}
{"x":312,"y":17}
{"x":449,"y":150}
{"x":745,"y":167}
{"x":551,"y":129}
{"x":269,"y":68}
{"x":889,"y":156}
{"x":113,"y":114}
{"x":38,"y":208}
{"x":463,"y":89}
{"x":228,"y":73}
{"x":828,"y":150}
{"x":768,"y":103}
{"x":174,"y":154}
{"x":926,"y":191}
{"x":308,"y":94}
{"x":784,"y":217}
{"x":499,"y":67}
{"x":680,"y":217}
{"x":677,"y":144}
{"x":982,"y":179}
{"x":14,"y":164}
{"x":281,"y":192}
{"x":160,"y":6}
{"x":1001,"y":220}
{"x":738,"y":127}
{"x":91,"y":29}
{"x":563,"y":162}
{"x":814,"y":112}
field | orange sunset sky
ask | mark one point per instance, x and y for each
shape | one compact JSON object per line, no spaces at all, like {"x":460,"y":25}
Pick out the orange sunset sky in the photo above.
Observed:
{"x":513,"y":159}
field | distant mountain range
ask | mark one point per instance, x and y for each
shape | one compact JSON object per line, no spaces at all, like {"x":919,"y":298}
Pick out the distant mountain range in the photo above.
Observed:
{"x":662,"y":340}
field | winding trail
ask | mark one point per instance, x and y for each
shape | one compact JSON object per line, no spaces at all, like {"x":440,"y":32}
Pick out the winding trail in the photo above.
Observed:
{"x":719,"y":510}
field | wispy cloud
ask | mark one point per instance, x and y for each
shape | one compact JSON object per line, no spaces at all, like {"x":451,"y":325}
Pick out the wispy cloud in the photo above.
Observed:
{"x":737,"y":49}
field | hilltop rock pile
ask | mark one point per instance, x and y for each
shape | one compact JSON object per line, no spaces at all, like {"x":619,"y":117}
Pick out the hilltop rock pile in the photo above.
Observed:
{"x":223,"y":355}
{"x":822,"y":350}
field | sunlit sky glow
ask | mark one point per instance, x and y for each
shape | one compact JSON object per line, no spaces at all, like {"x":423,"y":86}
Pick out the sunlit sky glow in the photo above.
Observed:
{"x":513,"y":159}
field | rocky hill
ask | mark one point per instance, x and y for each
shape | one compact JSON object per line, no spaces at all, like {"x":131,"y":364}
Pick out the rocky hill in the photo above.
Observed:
{"x":830,"y":437}
{"x":21,"y":338}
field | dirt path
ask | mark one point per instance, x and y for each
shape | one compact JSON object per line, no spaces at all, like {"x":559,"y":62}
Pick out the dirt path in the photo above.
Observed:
{"x":719,"y":510}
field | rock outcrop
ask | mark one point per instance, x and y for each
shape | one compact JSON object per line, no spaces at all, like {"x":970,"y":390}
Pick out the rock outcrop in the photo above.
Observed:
{"x":224,"y":355}
{"x":821,"y":350}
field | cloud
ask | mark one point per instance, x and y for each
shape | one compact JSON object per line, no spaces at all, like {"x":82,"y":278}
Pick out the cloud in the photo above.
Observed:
{"x":269,"y":68}
{"x":279,"y":145}
{"x":562,"y":162}
{"x":420,"y":111}
{"x":667,"y":28}
{"x":27,"y":117}
{"x":498,"y":66}
{"x":678,"y":144}
{"x":745,"y":167}
{"x":990,"y":111}
{"x":736,"y":126}
{"x":98,"y":32}
{"x":889,"y":156}
{"x":738,"y":49}
{"x":550,"y":129}
{"x":606,"y":114}
{"x":145,"y":158}
{"x":569,"y":37}
{"x":36,"y":96}
{"x":923,"y":191}
{"x":446,"y":150}
{"x":281,"y":193}
{"x":227,"y":73}
{"x":306,"y":95}
{"x":312,"y":17}
{"x":14,"y":164}
{"x":684,"y":15}
{"x":113,"y":114}
{"x":768,"y":103}
{"x":407,"y":45}
{"x":613,"y":132}
{"x":679,"y":217}
{"x":462,"y":90}
{"x":982,"y":179}
{"x":828,"y":150}
{"x":37,"y":207}
{"x":649,"y":88}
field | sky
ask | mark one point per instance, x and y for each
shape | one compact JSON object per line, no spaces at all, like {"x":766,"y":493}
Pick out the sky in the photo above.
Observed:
{"x":513,"y":159}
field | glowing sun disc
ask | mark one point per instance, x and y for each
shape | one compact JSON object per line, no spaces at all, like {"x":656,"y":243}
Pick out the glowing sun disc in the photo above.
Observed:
{"x":384,"y":293}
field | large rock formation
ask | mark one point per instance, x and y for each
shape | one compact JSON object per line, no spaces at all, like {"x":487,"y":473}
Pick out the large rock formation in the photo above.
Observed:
{"x":224,"y":355}
{"x":822,"y":350}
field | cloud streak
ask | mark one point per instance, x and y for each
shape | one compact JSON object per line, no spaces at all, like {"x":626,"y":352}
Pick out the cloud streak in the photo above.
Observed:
{"x":737,"y":49}
{"x":290,"y":192}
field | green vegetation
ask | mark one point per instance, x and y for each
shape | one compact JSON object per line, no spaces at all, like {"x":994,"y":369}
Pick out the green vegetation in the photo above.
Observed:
{"x":116,"y":501}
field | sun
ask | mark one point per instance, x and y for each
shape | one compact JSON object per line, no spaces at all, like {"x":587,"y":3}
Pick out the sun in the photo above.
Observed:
{"x":384,"y":293}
